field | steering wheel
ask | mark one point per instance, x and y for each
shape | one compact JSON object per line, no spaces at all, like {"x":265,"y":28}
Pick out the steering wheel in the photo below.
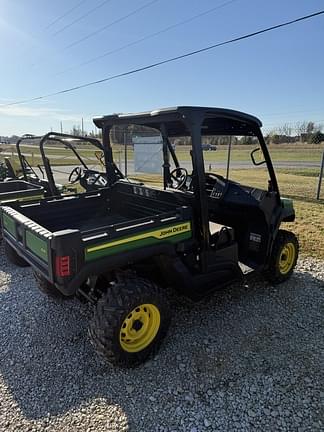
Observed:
{"x":179,"y":176}
{"x":75,"y":175}
{"x":93,"y":178}
{"x":215,"y":176}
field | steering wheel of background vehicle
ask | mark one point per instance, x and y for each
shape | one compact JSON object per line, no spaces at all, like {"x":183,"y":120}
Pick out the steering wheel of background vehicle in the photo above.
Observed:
{"x":93,"y":178}
{"x":179,"y":176}
{"x":75,"y":175}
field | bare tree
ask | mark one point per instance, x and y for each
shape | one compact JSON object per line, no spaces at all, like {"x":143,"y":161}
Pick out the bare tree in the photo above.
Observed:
{"x":76,"y":130}
{"x":285,"y":129}
{"x":301,"y":127}
{"x":310,"y":127}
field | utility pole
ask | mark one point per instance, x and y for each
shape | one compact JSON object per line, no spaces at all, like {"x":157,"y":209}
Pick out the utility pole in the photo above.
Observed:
{"x":125,"y":149}
{"x":229,"y":156}
{"x":61,"y":126}
{"x":82,"y":129}
{"x":320,"y":177}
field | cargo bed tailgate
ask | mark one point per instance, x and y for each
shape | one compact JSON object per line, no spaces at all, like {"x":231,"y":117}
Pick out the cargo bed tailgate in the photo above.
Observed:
{"x":30,"y":240}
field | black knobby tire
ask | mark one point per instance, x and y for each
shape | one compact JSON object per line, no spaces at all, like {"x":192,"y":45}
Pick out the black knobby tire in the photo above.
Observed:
{"x":13,"y":257}
{"x":48,"y":288}
{"x":111,"y":311}
{"x":273,"y":273}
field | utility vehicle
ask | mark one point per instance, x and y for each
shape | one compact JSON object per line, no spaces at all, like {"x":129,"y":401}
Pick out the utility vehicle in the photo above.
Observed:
{"x":18,"y":183}
{"x":25,"y":182}
{"x":118,"y":247}
{"x":43,"y":174}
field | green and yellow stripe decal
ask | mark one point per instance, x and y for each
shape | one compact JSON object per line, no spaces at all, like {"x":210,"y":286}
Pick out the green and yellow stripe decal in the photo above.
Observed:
{"x":171,"y":234}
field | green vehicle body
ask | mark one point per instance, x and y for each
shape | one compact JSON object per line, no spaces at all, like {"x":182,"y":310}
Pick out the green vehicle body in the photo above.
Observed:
{"x":88,"y":249}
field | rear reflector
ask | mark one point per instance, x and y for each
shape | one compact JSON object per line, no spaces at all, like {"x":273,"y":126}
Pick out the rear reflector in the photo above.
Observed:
{"x":62,"y":266}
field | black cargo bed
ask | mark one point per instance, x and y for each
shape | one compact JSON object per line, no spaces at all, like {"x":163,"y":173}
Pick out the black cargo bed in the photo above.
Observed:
{"x":91,"y":211}
{"x":19,"y":190}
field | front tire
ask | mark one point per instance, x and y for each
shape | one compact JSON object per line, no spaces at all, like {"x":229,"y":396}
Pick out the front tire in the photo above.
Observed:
{"x":13,"y":257}
{"x":283,"y":258}
{"x":129,"y":322}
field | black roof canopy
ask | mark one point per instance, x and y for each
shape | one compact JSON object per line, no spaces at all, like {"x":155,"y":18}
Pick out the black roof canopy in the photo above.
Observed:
{"x":217,"y":121}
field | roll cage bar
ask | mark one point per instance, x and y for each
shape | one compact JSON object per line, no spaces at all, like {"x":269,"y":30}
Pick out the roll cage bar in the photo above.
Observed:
{"x":54,"y":137}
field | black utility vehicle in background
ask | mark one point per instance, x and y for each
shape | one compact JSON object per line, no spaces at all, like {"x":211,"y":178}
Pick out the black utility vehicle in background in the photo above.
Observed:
{"x":118,"y":246}
{"x":44,"y":175}
{"x":26,"y":182}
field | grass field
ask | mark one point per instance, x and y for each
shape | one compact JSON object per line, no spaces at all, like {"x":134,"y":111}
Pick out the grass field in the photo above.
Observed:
{"x":283,"y":152}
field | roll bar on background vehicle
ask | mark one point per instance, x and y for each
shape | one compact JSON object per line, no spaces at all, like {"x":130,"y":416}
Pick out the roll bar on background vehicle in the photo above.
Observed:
{"x":64,"y":139}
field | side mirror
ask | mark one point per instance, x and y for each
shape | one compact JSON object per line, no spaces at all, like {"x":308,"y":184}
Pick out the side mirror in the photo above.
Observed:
{"x":253,"y":158}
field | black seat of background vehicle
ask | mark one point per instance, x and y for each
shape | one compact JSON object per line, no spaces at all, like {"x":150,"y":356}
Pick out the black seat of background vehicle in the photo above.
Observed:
{"x":10,"y":169}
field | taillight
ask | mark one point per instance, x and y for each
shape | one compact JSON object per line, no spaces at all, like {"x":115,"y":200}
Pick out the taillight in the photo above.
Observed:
{"x":62,"y":266}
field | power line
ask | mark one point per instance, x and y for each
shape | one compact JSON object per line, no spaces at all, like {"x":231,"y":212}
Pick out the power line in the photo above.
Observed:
{"x":166,"y":29}
{"x":101,"y":29}
{"x":65,"y":14}
{"x":81,"y":17}
{"x":169,"y":60}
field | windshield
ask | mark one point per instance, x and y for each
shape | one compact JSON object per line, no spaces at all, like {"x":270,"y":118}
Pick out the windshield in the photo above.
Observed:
{"x":138,"y":153}
{"x":66,"y":154}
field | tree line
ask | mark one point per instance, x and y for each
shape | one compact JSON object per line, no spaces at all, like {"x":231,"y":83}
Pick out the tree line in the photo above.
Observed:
{"x":304,"y":131}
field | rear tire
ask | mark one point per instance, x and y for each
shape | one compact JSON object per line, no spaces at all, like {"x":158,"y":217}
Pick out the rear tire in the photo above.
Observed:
{"x":283,"y":257}
{"x":13,"y":257}
{"x":48,"y":288}
{"x":129,"y":322}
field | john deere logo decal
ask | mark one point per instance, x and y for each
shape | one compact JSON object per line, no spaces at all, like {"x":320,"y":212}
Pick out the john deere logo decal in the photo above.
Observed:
{"x":143,"y":239}
{"x":175,"y":230}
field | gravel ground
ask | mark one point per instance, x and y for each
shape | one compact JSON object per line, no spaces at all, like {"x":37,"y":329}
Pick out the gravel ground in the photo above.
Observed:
{"x":250,"y":358}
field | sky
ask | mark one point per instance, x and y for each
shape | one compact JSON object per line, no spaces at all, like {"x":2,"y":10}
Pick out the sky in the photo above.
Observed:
{"x":277,"y":76}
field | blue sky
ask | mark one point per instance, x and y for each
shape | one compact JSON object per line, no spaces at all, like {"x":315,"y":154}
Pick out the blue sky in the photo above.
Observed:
{"x":277,"y":76}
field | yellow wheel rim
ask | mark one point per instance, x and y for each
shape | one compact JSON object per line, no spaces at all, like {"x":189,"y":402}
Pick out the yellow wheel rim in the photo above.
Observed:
{"x":139,"y":328}
{"x":287,"y":258}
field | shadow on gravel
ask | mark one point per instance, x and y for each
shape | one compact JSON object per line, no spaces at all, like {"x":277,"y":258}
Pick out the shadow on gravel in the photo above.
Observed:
{"x":252,"y":339}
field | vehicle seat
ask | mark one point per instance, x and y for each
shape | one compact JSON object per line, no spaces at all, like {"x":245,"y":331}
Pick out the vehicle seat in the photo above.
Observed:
{"x":10,"y":168}
{"x":220,"y":235}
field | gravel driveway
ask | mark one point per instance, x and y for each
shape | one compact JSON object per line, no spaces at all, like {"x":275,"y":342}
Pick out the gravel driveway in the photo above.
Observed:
{"x":250,"y":358}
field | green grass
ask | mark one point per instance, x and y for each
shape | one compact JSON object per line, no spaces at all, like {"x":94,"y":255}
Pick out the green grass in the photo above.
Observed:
{"x":282,"y":152}
{"x":304,"y":172}
{"x":48,"y":150}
